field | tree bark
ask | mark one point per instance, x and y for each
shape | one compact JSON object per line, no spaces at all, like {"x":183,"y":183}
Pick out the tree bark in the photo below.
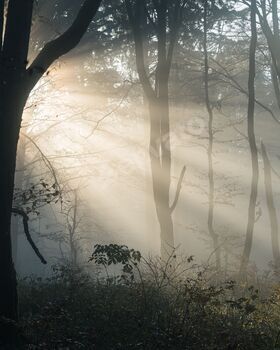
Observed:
{"x":11,"y":108}
{"x":19,"y":178}
{"x":13,"y":98}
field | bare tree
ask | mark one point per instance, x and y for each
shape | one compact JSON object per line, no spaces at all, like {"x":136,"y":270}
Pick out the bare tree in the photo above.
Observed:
{"x":272,"y":36}
{"x":210,"y":221}
{"x":253,"y":145}
{"x":17,"y":79}
{"x":271,"y":208}
{"x":166,"y":30}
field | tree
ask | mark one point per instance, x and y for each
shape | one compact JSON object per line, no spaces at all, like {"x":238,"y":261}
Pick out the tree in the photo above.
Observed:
{"x":17,"y":79}
{"x":253,"y":145}
{"x":271,"y":208}
{"x":73,"y":223}
{"x":272,"y":36}
{"x":165,"y":18}
{"x":210,"y":221}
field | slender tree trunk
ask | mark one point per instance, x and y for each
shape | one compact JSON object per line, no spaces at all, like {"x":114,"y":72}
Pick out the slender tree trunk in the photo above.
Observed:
{"x":253,"y":146}
{"x":271,"y":209}
{"x":210,"y":221}
{"x":272,"y":37}
{"x":275,"y":18}
{"x":151,"y":229}
{"x":162,"y":91}
{"x":275,"y":82}
{"x":73,"y":232}
{"x":160,"y":165}
{"x":158,"y":100}
{"x":275,"y":60}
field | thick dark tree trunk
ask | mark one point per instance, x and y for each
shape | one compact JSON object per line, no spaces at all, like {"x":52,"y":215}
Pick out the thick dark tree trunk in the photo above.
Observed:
{"x":16,"y":82}
{"x":253,"y":147}
{"x":18,"y":183}
{"x":15,"y":231}
{"x":11,"y":108}
{"x":13,"y":96}
{"x":271,"y":210}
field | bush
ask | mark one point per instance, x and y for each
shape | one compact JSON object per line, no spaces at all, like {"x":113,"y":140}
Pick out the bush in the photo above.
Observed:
{"x":147,"y":305}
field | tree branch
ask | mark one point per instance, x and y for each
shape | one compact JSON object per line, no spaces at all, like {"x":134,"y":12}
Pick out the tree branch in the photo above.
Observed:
{"x":179,"y":187}
{"x":25,"y":220}
{"x":177,"y":21}
{"x":271,"y":37}
{"x":135,"y":22}
{"x":46,"y":161}
{"x":64,"y":43}
{"x":234,"y":83}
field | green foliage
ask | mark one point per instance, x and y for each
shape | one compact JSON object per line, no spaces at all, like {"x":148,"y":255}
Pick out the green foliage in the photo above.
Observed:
{"x":36,"y":196}
{"x":107,"y":255}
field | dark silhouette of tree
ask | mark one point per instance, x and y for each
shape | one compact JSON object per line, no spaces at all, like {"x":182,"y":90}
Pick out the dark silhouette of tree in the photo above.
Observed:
{"x":17,"y":79}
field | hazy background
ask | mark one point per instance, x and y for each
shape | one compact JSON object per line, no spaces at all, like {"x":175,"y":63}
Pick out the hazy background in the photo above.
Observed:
{"x":88,"y":118}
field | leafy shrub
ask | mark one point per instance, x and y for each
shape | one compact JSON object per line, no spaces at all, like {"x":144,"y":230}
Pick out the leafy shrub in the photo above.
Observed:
{"x":163,"y":306}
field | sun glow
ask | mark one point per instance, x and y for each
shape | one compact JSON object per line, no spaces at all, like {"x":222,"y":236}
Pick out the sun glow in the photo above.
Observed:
{"x":102,"y":145}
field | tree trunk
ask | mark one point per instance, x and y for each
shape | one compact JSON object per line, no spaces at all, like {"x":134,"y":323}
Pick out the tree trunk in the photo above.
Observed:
{"x":210,"y":221}
{"x":253,"y":147}
{"x":271,"y":209}
{"x":11,"y":109}
{"x":16,"y":82}
{"x":160,"y":165}
{"x":13,"y":56}
{"x":73,"y":232}
{"x":158,"y":100}
{"x":275,"y":76}
{"x":19,"y":177}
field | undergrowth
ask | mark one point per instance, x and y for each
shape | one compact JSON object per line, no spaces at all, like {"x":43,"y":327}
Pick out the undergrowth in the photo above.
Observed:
{"x":137,"y":303}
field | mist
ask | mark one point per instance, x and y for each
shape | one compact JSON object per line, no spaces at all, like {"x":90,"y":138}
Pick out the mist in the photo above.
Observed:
{"x":147,"y":128}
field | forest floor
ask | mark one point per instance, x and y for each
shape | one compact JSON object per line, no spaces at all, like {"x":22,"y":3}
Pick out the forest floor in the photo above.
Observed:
{"x":152,"y":310}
